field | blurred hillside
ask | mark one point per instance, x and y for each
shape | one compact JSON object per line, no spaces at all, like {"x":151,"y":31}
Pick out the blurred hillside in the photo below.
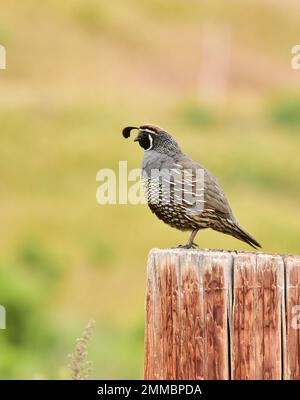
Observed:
{"x":217,"y":74}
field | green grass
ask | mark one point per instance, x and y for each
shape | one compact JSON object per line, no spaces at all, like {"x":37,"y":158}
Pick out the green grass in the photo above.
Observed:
{"x":286,"y":112}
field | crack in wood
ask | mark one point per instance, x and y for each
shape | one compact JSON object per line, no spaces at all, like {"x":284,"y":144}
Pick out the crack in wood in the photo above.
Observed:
{"x":221,"y":315}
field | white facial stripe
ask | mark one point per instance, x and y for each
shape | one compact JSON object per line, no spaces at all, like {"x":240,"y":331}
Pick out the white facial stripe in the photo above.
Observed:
{"x":149,"y":131}
{"x":151,"y":142}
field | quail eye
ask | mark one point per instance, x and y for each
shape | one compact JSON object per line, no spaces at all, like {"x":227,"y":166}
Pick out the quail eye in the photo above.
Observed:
{"x":146,"y":142}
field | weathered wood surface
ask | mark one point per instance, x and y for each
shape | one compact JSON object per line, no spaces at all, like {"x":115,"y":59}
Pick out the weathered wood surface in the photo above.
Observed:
{"x":222,"y":315}
{"x":292,"y":339}
{"x":257,"y":317}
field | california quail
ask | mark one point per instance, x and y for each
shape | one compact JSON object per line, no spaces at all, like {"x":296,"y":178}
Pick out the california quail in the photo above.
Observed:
{"x":181,"y":192}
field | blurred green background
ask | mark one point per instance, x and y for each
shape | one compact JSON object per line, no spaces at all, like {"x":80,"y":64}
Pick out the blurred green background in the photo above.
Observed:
{"x":217,"y":74}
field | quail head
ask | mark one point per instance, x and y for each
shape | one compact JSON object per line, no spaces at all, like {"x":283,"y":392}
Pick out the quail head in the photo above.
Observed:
{"x":181,"y":192}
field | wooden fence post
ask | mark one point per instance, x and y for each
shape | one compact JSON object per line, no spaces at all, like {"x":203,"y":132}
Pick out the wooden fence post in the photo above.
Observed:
{"x":222,"y":315}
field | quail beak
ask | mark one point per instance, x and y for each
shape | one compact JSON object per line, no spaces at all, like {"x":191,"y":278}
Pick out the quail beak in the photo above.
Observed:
{"x":138,"y":138}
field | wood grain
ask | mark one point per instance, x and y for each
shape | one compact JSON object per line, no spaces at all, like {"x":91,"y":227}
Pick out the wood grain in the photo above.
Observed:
{"x":216,"y":269}
{"x":270,"y":296}
{"x":292,"y":343}
{"x":221,"y":315}
{"x":243,"y":349}
{"x":256,"y":351}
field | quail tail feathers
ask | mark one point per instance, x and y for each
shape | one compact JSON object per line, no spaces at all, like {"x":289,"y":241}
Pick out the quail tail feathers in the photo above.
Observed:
{"x":235,"y":230}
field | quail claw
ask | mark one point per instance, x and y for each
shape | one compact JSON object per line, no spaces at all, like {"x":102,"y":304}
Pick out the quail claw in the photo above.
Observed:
{"x":187,"y":246}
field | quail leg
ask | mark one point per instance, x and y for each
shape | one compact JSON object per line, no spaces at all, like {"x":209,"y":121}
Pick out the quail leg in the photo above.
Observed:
{"x":190,"y":243}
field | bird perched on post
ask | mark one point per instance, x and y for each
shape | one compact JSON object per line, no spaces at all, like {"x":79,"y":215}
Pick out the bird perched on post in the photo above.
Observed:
{"x":181,"y":192}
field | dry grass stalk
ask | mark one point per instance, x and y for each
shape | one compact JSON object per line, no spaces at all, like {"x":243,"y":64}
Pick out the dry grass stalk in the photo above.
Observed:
{"x":79,"y":364}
